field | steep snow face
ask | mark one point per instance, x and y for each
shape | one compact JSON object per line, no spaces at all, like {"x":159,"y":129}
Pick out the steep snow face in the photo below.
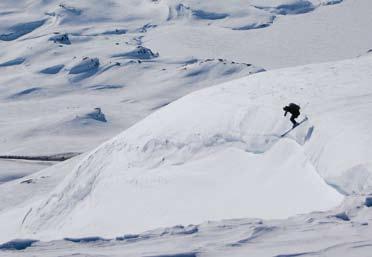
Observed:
{"x":217,"y":154}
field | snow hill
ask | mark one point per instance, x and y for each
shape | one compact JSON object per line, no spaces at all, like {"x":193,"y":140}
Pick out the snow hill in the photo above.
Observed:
{"x":215,"y":154}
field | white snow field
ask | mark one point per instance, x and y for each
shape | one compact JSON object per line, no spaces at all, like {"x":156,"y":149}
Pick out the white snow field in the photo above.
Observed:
{"x":132,"y":57}
{"x":212,"y":155}
{"x":301,"y":32}
{"x":11,"y":169}
{"x":196,"y":89}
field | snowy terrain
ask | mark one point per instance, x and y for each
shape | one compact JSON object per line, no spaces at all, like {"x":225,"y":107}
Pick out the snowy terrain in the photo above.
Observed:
{"x":216,"y":154}
{"x":130,"y":58}
{"x":199,"y":168}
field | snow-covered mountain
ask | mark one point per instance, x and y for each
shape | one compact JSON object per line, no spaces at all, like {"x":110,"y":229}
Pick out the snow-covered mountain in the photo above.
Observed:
{"x":194,"y":89}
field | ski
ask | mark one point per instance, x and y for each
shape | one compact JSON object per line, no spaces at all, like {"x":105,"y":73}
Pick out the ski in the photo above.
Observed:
{"x":287,"y":132}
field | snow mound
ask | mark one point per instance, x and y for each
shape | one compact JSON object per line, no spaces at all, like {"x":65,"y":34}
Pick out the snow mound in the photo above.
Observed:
{"x":61,"y":38}
{"x":70,"y":9}
{"x":19,"y":30}
{"x":16,"y":61}
{"x":140,"y":52}
{"x":67,"y":14}
{"x":86,"y":65}
{"x":217,"y":154}
{"x":105,"y":87}
{"x":88,"y":122}
{"x":53,"y":69}
{"x":18,"y":244}
{"x":97,"y":115}
{"x":330,"y":2}
{"x":179,"y":11}
{"x":249,"y":23}
{"x":183,"y":11}
{"x":85,"y":239}
{"x":205,"y":15}
{"x":289,"y":7}
{"x":213,"y":68}
{"x":29,"y":92}
{"x":115,"y":32}
{"x":368,"y":201}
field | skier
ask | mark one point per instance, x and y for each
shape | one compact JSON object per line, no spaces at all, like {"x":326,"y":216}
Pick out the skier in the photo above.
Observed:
{"x":294,"y":110}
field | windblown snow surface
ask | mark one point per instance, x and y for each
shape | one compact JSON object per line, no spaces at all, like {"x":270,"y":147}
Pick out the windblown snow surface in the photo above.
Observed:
{"x":217,"y":154}
{"x":131,"y":57}
{"x":197,"y":170}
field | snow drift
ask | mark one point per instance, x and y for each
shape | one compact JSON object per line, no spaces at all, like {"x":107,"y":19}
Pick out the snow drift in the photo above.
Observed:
{"x":217,"y":154}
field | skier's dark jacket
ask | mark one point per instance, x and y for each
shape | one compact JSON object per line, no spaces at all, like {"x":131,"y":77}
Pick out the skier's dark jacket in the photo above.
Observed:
{"x":293,"y":109}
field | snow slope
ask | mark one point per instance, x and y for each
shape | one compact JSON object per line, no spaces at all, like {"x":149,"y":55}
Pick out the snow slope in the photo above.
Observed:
{"x":216,"y":154}
{"x":130,"y":58}
{"x":75,"y":73}
{"x":56,"y":52}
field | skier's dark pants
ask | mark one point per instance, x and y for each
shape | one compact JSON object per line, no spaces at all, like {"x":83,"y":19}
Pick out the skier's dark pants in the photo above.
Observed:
{"x":293,"y":117}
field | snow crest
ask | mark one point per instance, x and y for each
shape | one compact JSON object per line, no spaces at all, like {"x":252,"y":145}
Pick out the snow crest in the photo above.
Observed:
{"x":220,"y":154}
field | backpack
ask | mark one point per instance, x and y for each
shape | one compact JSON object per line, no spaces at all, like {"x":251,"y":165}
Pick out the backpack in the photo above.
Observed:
{"x":294,"y":107}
